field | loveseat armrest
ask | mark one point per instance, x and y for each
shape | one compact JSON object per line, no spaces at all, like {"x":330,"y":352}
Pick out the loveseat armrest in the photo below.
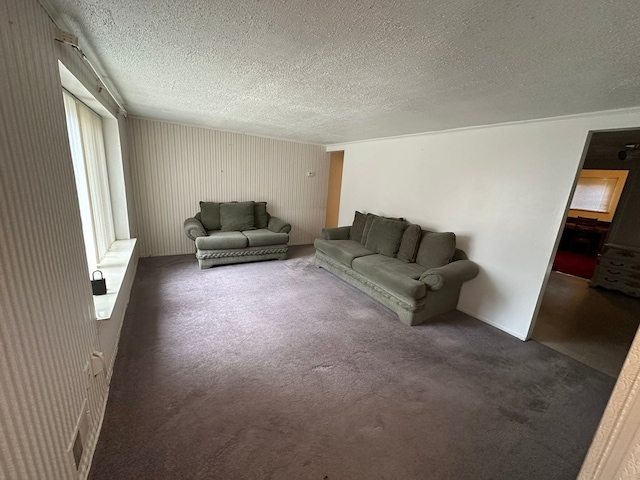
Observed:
{"x":278,"y":226}
{"x":455,"y":272}
{"x":193,"y":228}
{"x":336,"y":233}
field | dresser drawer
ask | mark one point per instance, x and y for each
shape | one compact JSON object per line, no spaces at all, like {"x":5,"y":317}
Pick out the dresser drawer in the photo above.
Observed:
{"x":619,"y":263}
{"x":617,"y":273}
{"x":621,"y":253}
{"x":616,"y":281}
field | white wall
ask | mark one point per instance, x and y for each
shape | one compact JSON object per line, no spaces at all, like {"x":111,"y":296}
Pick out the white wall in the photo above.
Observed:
{"x":503,"y":190}
{"x":176,"y":166}
{"x":47,"y":330}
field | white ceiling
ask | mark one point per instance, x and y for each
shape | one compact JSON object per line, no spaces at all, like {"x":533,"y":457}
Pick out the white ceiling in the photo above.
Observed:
{"x":332,"y":71}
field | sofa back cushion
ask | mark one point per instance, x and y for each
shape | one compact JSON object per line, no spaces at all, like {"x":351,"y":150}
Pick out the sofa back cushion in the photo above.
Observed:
{"x":357,"y":228}
{"x":385,"y":235}
{"x":260,"y":215}
{"x":368,"y":221}
{"x":410,"y":242}
{"x":237,"y":216}
{"x":210,"y":215}
{"x":436,"y":249}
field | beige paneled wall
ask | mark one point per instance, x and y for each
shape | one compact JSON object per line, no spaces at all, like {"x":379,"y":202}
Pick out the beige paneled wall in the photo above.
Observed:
{"x":176,"y":166}
{"x":46,"y":328}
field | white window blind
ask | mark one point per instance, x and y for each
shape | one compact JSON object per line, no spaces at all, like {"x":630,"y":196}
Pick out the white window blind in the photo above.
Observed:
{"x":594,"y":194}
{"x":92,"y":180}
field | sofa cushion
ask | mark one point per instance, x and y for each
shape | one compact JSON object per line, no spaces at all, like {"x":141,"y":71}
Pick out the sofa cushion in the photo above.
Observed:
{"x":260,"y":215}
{"x":411,"y":270}
{"x":436,"y":249}
{"x":219,"y":240}
{"x":367,"y":226}
{"x":357,"y":228}
{"x":263,"y":237}
{"x":369,"y":218}
{"x":210,"y":215}
{"x":392,"y":274}
{"x":409,"y":244}
{"x":343,"y":251}
{"x":237,"y":216}
{"x":385,"y":236}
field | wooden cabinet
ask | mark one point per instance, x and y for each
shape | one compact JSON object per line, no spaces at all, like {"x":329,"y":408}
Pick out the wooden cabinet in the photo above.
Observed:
{"x":618,"y":268}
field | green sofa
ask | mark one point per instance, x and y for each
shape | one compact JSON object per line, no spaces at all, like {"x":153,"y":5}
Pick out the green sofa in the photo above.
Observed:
{"x":416,"y":273}
{"x":236,"y":232}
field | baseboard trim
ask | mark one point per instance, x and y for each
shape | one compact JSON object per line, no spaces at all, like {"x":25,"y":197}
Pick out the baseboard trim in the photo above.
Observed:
{"x":518,"y":335}
{"x":83,"y":475}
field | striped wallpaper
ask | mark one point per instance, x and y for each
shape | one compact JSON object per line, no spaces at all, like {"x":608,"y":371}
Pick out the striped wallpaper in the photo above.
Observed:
{"x":47,"y":331}
{"x":176,"y":166}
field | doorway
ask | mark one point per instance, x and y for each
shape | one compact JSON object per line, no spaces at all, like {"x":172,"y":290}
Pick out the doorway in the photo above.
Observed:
{"x":595,"y":325}
{"x":335,"y":187}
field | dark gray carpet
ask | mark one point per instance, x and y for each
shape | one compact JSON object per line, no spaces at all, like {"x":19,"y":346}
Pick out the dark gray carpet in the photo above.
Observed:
{"x":279,"y":370}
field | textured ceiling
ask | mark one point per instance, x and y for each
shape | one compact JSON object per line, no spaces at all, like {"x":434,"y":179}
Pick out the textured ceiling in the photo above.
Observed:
{"x":330,"y":71}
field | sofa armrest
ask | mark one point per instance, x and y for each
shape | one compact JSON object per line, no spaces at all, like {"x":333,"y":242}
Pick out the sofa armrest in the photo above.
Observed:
{"x":193,"y":228}
{"x":278,"y":226}
{"x":455,"y":272}
{"x":337,"y":233}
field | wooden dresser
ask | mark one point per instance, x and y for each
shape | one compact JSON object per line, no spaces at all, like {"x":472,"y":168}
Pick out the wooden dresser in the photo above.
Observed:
{"x":618,"y":268}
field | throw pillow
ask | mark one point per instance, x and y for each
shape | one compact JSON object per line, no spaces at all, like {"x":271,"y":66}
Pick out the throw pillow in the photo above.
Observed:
{"x":385,"y":236}
{"x":261,"y":217}
{"x":237,"y":216}
{"x":210,"y":215}
{"x":367,"y":226}
{"x":436,"y":249}
{"x":409,"y":244}
{"x":358,"y":226}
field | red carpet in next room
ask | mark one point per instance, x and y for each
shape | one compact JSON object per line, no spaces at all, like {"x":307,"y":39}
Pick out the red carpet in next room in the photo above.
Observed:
{"x":575,"y":263}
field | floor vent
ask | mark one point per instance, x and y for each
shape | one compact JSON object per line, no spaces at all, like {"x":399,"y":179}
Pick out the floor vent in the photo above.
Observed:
{"x":80,"y":436}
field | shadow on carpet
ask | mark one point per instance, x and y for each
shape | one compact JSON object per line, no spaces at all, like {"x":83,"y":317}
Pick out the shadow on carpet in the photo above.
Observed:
{"x":279,"y":370}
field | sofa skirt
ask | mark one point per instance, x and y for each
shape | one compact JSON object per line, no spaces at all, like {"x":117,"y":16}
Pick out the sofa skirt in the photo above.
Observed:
{"x":213,"y":258}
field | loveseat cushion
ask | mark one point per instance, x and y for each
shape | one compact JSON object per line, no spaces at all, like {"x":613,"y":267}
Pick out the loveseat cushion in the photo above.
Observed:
{"x":343,"y":251}
{"x":263,"y":237}
{"x":260,"y":215}
{"x":410,"y":242}
{"x":219,"y":240}
{"x":210,"y":215}
{"x":385,"y":236}
{"x":359,"y":220}
{"x":237,"y":216}
{"x":392,"y":274}
{"x":436,"y":249}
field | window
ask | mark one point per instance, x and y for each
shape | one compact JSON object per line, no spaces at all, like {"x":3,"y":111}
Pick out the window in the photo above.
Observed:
{"x":92,"y":180}
{"x":598,"y":193}
{"x":96,"y":154}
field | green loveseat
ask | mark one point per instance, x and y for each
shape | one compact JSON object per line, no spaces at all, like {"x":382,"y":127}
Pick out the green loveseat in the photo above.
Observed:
{"x":236,"y":232}
{"x":416,"y":273}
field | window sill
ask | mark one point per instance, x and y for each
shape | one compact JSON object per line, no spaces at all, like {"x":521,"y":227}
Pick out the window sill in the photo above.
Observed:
{"x":114,"y":267}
